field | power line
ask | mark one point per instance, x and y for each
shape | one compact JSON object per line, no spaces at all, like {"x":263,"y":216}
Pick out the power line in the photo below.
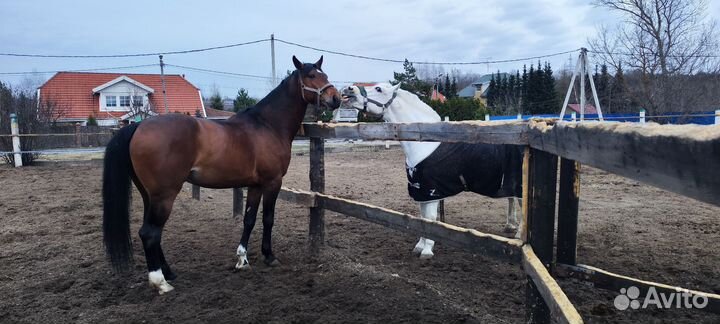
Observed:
{"x":138,"y":54}
{"x":237,"y":74}
{"x":423,"y":62}
{"x":81,"y":70}
{"x":221,"y":72}
{"x":671,"y":56}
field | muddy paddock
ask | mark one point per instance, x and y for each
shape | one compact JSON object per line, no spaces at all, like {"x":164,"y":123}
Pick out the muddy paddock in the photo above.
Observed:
{"x":52,"y":266}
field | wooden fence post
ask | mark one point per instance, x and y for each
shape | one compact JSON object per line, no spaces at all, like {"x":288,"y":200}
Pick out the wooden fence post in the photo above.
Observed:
{"x":568,"y":211}
{"x":196,"y":192}
{"x":541,"y":224}
{"x":78,"y":138}
{"x":317,"y":184}
{"x":441,"y":210}
{"x":15,"y":131}
{"x":237,"y":202}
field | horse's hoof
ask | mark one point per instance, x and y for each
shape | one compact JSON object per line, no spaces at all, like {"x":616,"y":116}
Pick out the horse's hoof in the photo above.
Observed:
{"x":272,"y":262}
{"x":166,"y":288}
{"x":426,"y":256}
{"x":157,"y":281}
{"x":509,"y":228}
{"x":242,"y":265}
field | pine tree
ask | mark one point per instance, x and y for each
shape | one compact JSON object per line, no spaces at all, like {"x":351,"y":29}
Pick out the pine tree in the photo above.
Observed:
{"x":491,"y":93}
{"x":603,"y":87}
{"x":453,"y":88}
{"x":448,"y":88}
{"x":618,"y":101}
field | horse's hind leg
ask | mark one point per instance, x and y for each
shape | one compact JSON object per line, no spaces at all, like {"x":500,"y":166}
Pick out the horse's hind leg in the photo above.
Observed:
{"x":270,"y":194}
{"x":251,"y":209}
{"x":511,"y":225}
{"x":156,"y":214}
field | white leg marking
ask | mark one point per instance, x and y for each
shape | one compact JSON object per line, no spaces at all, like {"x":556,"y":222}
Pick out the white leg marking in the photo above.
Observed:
{"x":419,"y":246}
{"x":428,"y":210}
{"x":243,"y":263}
{"x":511,"y":222}
{"x":157,"y":281}
{"x":521,"y":221}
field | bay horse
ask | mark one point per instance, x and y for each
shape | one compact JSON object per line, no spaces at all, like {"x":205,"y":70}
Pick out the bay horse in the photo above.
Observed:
{"x":250,"y":149}
{"x":437,"y":170}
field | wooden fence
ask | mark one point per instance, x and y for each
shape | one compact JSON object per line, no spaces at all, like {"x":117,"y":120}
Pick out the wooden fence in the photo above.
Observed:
{"x":681,"y":158}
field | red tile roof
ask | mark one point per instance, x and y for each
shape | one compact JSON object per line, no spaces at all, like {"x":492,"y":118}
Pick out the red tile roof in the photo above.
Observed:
{"x":589,"y":109}
{"x":73,"y":90}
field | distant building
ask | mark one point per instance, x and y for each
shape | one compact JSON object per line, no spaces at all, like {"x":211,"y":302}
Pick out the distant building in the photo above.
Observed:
{"x":589,"y":109}
{"x":478,"y":89}
{"x":117,"y":97}
{"x":218,"y":114}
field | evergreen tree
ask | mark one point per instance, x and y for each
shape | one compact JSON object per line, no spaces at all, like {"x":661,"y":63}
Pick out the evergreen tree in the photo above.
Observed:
{"x":410,"y":81}
{"x":448,"y":88}
{"x":618,"y":101}
{"x":491,"y":93}
{"x":453,"y":88}
{"x":243,"y":100}
{"x":216,"y":101}
{"x":603,"y":87}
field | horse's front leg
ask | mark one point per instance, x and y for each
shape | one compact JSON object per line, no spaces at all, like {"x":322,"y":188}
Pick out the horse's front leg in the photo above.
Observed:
{"x":251,"y":210}
{"x":270,"y":194}
{"x":428,"y":210}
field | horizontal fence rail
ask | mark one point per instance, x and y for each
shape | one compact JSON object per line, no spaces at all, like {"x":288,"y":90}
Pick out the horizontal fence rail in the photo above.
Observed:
{"x":466,"y":131}
{"x":468,"y":239}
{"x":607,"y":280}
{"x":684,"y":159}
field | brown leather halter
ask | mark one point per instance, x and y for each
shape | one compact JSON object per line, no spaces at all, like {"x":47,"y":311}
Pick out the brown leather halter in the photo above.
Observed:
{"x":317,"y":92}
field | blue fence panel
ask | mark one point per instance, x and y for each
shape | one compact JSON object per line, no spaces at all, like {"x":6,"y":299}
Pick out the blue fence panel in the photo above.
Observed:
{"x":700,"y":118}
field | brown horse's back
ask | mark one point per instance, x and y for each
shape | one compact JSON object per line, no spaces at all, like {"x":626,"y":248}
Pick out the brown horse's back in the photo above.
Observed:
{"x":168,"y":150}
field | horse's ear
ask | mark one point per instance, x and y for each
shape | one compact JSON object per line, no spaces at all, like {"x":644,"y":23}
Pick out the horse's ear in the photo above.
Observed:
{"x":298,"y":64}
{"x":318,"y":64}
{"x":396,"y":87}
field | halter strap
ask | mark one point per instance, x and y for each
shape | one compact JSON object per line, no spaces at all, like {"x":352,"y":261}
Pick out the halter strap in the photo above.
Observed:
{"x":317,"y":92}
{"x":384,"y":106}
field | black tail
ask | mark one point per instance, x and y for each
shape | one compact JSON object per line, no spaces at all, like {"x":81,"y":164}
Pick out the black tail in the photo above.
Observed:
{"x":116,"y":199}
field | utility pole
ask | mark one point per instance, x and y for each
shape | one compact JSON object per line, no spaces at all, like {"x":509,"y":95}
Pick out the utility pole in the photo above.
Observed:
{"x":582,"y":70}
{"x":272,"y":56}
{"x":162,"y":79}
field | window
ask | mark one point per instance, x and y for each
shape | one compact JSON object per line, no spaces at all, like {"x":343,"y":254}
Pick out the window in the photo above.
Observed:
{"x":137,"y":101}
{"x":124,"y":101}
{"x":110,"y":101}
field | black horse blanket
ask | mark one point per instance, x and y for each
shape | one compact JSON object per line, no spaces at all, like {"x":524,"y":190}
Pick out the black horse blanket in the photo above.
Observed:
{"x":490,"y":170}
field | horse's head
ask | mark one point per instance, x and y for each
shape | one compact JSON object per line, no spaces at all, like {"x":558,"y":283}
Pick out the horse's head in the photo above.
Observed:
{"x":314,"y":85}
{"x":373,"y":100}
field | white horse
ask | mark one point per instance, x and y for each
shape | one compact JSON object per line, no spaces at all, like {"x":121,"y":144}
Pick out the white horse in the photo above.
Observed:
{"x":439,"y":170}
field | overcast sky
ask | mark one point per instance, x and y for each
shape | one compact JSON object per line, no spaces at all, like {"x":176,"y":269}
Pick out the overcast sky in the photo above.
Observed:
{"x":423,"y":30}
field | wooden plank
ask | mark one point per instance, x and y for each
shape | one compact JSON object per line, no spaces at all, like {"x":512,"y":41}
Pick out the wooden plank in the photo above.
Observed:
{"x":237,"y":202}
{"x":568,"y":211}
{"x":561,"y":309}
{"x":317,"y":184}
{"x":468,"y":239}
{"x":461,"y":131}
{"x":196,"y":192}
{"x":525,"y":194}
{"x":611,"y":281}
{"x":302,"y":198}
{"x":680,"y":158}
{"x":542,"y":182}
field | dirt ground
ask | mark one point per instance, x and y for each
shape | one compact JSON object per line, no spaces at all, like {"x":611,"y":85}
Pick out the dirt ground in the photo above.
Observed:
{"x":52,"y":266}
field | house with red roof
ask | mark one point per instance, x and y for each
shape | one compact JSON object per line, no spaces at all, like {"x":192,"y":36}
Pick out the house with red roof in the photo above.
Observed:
{"x":112,"y":98}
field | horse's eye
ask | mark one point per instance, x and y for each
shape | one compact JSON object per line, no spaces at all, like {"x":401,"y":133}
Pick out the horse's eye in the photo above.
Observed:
{"x":311,"y":76}
{"x":378,"y":89}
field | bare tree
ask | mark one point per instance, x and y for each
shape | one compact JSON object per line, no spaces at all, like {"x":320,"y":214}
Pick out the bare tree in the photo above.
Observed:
{"x":662,"y":40}
{"x":140,"y":105}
